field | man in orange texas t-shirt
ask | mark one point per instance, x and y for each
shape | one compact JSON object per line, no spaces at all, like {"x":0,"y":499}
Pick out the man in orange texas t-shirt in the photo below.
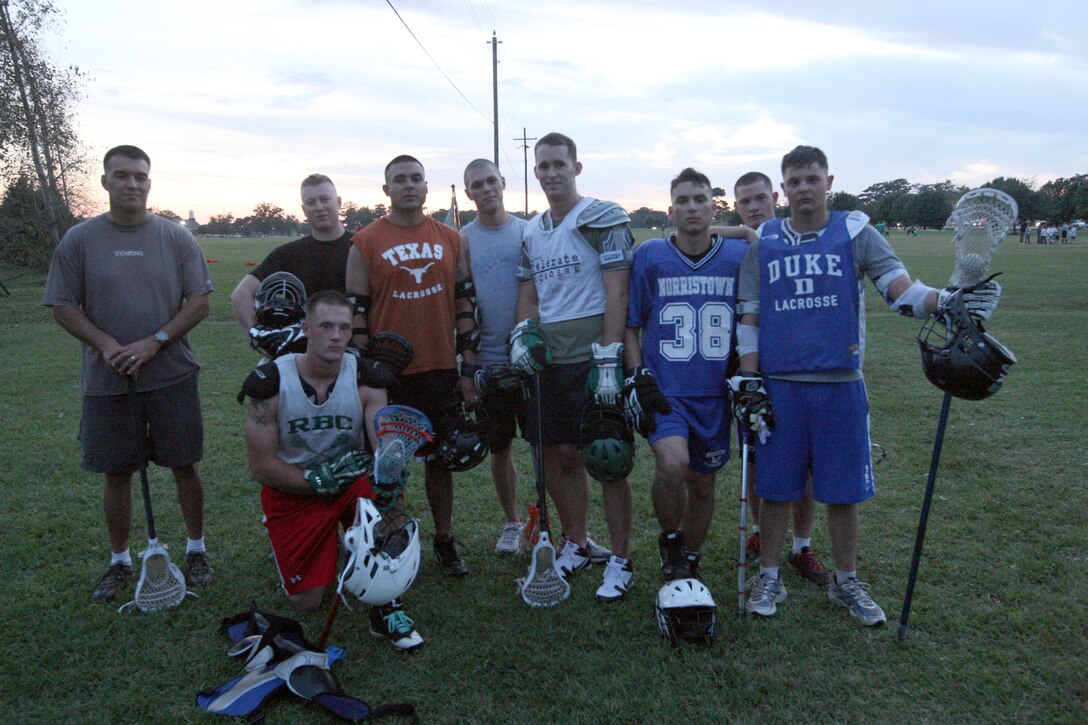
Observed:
{"x":409,"y":276}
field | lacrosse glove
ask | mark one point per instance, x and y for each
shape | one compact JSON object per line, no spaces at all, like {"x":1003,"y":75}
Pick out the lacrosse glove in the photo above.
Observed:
{"x":605,"y":380}
{"x":275,"y":341}
{"x":333,"y":476}
{"x":751,"y":406}
{"x":641,"y":399}
{"x":498,"y":379}
{"x":979,"y":300}
{"x":529,"y":347}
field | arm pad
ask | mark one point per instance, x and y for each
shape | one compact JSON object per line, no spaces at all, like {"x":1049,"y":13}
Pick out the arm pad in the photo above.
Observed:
{"x":912,"y":303}
{"x":747,"y":339}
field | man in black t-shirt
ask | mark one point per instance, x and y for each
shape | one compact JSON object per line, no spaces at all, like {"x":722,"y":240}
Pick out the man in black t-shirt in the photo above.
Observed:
{"x":318,"y":259}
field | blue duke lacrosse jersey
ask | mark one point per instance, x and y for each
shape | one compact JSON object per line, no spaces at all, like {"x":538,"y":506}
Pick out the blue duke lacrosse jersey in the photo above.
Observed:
{"x":686,"y":311}
{"x":810,"y":293}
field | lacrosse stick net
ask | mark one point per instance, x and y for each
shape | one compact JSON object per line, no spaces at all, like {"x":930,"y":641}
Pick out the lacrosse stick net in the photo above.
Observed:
{"x":401,"y":431}
{"x":982,"y":218}
{"x":543,"y":586}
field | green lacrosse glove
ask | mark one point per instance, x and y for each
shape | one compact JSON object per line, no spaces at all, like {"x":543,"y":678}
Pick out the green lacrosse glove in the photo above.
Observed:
{"x":605,"y":382}
{"x":333,"y":476}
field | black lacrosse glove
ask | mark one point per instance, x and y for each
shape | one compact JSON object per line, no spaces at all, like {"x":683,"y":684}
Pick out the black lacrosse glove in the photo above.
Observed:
{"x":751,"y":406}
{"x":333,"y":476}
{"x":641,"y":399}
{"x":498,"y":379}
{"x":382,"y":360}
{"x":275,"y":341}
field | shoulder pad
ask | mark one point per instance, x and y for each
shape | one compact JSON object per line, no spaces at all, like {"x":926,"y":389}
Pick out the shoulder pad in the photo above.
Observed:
{"x":603,"y":214}
{"x":855,"y":222}
{"x":263,"y":383}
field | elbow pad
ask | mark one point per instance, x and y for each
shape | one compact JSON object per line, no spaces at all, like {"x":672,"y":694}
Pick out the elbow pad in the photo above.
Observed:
{"x":912,"y":303}
{"x":747,"y":339}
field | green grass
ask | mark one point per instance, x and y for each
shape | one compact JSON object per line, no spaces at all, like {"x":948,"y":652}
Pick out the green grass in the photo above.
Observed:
{"x":997,"y":631}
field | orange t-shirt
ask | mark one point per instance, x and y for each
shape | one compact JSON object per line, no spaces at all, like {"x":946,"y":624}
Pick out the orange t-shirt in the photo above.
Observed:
{"x":412,"y":273}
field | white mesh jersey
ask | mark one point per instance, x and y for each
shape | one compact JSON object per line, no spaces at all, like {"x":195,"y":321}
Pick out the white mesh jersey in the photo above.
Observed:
{"x":312,"y":433}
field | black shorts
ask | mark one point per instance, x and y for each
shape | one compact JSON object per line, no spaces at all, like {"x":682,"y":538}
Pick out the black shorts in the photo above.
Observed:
{"x":505,"y":413}
{"x":563,"y":396}
{"x":171,"y":428}
{"x":432,"y":392}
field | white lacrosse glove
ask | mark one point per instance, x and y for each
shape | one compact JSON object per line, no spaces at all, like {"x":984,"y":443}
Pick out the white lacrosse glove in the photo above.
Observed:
{"x":529,"y":347}
{"x":979,"y":301}
{"x":751,"y":406}
{"x":605,"y":380}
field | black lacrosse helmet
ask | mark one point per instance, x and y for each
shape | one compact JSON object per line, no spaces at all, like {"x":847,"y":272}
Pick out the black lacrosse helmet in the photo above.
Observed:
{"x":960,"y":357}
{"x":280,"y":301}
{"x":461,"y":442}
{"x":607,"y":442}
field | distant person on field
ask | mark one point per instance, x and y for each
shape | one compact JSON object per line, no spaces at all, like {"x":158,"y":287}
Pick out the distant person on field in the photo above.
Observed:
{"x":130,"y":286}
{"x":1023,"y":231}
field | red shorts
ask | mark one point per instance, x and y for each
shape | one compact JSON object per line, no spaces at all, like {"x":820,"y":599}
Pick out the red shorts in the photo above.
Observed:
{"x":305,"y":534}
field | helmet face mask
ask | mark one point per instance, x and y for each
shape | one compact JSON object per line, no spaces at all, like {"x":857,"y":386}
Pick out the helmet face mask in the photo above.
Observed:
{"x":607,"y":442}
{"x":959,"y":357}
{"x":462,"y":440}
{"x":280,"y":301}
{"x":686,"y":612}
{"x":381,"y":565}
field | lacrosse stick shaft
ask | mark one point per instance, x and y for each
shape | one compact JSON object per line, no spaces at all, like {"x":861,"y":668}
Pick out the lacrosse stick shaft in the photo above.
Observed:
{"x":742,"y":557}
{"x":924,"y":518}
{"x":138,"y":438}
{"x":538,"y":458}
{"x":333,"y":610}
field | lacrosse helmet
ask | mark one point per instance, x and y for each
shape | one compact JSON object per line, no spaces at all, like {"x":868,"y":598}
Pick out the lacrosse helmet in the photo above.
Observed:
{"x":281,"y":300}
{"x":380,"y":567}
{"x":686,"y":612}
{"x":462,"y":440}
{"x":959,"y":357}
{"x":607,"y":443}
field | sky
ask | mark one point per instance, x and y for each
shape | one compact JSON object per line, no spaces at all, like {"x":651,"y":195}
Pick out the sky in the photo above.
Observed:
{"x":236,"y":101}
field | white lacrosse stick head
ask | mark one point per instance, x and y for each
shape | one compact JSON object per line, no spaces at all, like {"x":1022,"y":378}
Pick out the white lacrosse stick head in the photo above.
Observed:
{"x":982,"y":218}
{"x":161,"y":585}
{"x":401,"y":431}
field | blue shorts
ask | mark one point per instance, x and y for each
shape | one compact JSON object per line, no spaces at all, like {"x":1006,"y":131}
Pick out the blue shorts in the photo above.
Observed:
{"x":704,"y":422}
{"x":822,"y":427}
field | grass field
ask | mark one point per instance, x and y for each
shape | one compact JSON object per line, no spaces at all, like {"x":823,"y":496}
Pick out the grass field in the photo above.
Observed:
{"x":997,"y":631}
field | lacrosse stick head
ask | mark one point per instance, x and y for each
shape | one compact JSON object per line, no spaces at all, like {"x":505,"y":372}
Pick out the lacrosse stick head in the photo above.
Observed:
{"x":543,"y":586}
{"x":383,"y":554}
{"x":401,"y":431}
{"x":161,"y":585}
{"x":686,"y":612}
{"x":961,"y":358}
{"x":982,"y":218}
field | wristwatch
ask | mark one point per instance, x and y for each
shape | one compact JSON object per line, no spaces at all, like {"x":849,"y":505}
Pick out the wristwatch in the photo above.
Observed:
{"x":161,"y":337}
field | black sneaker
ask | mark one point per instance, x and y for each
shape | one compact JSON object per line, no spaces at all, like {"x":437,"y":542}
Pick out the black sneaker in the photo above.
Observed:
{"x":114,"y":580}
{"x":674,"y":565}
{"x":198,"y":571}
{"x":449,"y":559}
{"x":693,"y":558}
{"x":390,"y":621}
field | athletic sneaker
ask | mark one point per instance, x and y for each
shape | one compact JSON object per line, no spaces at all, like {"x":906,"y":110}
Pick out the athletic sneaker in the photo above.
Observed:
{"x":766,"y":594}
{"x":693,"y":558}
{"x":597,"y":553}
{"x":674,"y":564}
{"x":571,"y":558}
{"x":808,"y":565}
{"x":445,"y":550}
{"x":114,"y":580}
{"x":618,"y":575}
{"x":751,"y":548}
{"x":198,"y":571}
{"x":510,"y":539}
{"x":390,"y":621}
{"x":854,"y":596}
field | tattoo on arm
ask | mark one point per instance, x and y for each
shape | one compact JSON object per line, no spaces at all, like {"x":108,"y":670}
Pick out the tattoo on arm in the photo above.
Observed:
{"x":258,"y":411}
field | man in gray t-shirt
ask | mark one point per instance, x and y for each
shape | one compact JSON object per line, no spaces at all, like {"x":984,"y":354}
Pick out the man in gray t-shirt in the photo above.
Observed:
{"x":130,"y":286}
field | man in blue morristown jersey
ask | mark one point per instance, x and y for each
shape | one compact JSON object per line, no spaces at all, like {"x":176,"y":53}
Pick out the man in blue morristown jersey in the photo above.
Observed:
{"x":802,"y":328}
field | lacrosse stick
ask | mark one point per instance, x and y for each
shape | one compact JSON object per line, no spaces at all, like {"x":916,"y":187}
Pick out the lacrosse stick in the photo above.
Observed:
{"x":982,"y":218}
{"x":742,"y":558}
{"x":543,"y":586}
{"x":161,"y":585}
{"x":401,"y":431}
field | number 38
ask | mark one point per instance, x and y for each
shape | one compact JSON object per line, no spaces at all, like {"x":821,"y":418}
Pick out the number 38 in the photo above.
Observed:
{"x":706,"y":331}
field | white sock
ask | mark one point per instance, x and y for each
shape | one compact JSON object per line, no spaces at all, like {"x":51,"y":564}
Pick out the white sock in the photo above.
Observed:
{"x":195,"y":546}
{"x":124,"y":557}
{"x":799,"y":543}
{"x":771,"y":572}
{"x":841,"y":577}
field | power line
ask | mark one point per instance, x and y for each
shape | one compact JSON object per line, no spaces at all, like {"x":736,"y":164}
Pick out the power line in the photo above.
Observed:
{"x":436,"y":65}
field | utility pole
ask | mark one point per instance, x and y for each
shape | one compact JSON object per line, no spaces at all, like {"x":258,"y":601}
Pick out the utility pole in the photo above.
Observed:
{"x":525,"y":152}
{"x":495,"y":90}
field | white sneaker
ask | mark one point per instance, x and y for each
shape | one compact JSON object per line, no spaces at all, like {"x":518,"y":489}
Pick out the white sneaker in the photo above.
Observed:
{"x":572,"y":558}
{"x":854,"y":596}
{"x":766,"y":594}
{"x":391,"y":623}
{"x":597,"y":553}
{"x":618,"y":575}
{"x":510,"y":539}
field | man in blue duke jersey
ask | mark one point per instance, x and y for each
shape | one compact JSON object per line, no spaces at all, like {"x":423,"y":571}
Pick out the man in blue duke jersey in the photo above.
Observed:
{"x":682,"y":299}
{"x":802,"y":328}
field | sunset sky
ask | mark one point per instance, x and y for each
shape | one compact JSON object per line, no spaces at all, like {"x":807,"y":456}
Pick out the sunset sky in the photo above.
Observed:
{"x":237,"y":100}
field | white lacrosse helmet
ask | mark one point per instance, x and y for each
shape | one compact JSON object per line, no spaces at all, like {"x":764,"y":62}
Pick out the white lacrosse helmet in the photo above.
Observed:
{"x":686,"y":612}
{"x":379,"y":569}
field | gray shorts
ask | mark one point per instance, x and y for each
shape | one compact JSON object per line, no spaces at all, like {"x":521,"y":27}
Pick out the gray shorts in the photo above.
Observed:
{"x":171,"y":428}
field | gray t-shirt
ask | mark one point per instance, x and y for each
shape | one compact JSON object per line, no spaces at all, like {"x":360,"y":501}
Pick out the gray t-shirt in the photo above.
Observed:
{"x":494,"y":253}
{"x":129,"y":281}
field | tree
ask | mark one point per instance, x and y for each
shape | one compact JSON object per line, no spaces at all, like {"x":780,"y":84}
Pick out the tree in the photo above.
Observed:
{"x":884,"y":189}
{"x":721,"y":206}
{"x":842,"y":201}
{"x":1067,"y":198}
{"x":646,"y":218}
{"x":221,"y":224}
{"x":167,"y":214}
{"x":930,"y":208}
{"x":24,"y":240}
{"x":36,"y":112}
{"x":1032,"y":204}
